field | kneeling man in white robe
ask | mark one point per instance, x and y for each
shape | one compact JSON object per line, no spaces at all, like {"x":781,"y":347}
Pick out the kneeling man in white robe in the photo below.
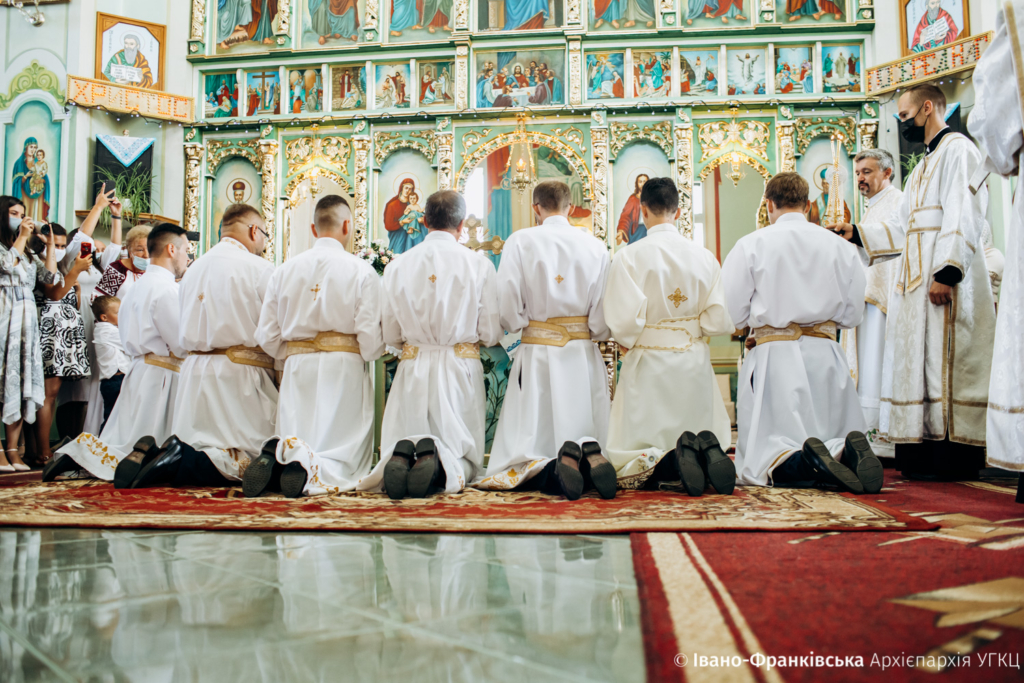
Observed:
{"x":439,"y":305}
{"x":551,"y":286}
{"x":663,"y":302}
{"x":148,"y":326}
{"x":321,"y":318}
{"x":227,"y":401}
{"x":798,"y":413}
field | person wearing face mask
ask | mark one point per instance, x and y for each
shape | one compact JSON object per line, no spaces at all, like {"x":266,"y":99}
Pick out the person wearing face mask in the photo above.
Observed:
{"x":61,"y":332}
{"x":120,"y":275}
{"x":226,"y":404}
{"x":22,"y":387}
{"x":940,"y":326}
{"x":148,"y":327}
{"x":554,"y":420}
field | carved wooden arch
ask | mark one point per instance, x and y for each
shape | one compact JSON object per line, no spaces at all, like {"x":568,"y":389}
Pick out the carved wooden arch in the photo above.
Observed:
{"x":220,"y":150}
{"x":727,"y":157}
{"x":386,"y":143}
{"x":623,"y":134}
{"x":293,"y":184}
{"x":533,"y":137}
{"x":812,"y":127}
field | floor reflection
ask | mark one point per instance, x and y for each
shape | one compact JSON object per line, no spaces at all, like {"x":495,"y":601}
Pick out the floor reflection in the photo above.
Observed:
{"x":223,"y":607}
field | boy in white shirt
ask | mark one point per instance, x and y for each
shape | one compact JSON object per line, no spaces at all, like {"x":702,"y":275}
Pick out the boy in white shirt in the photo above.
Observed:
{"x":110,"y":355}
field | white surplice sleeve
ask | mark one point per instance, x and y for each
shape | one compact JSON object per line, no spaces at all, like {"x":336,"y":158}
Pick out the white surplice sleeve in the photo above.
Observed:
{"x":884,"y":239}
{"x":489,"y":323}
{"x":166,"y":320}
{"x":995,"y":122}
{"x":511,"y":304}
{"x":738,"y":283}
{"x":853,"y":283}
{"x":268,"y":330}
{"x":714,"y":316}
{"x":595,"y":316}
{"x":625,"y":304}
{"x":390,"y":326}
{"x":963,"y":213}
{"x":368,"y":317}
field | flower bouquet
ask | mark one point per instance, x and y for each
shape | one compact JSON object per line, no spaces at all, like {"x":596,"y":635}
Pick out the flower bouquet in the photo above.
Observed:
{"x":377,"y":255}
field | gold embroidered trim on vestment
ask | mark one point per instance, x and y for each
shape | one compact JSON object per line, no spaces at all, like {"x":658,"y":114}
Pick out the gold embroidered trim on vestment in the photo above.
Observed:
{"x":793,"y":331}
{"x":324,"y":342}
{"x":171,"y":362}
{"x":470,"y":350}
{"x":557,"y":331}
{"x":241,"y":355}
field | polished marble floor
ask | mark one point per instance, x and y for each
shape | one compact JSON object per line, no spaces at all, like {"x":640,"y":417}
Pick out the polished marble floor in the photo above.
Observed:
{"x":87,"y":605}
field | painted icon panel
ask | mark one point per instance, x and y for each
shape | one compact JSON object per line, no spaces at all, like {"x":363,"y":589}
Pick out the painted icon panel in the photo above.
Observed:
{"x":794,"y":70}
{"x":524,"y":78}
{"x":605,"y":76}
{"x":746,"y":69}
{"x":699,"y":73}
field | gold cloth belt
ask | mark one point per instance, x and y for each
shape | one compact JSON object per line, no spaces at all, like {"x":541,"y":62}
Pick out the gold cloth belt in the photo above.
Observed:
{"x":557,"y":331}
{"x":462,"y":350}
{"x":323,"y":342}
{"x":171,"y":362}
{"x":673,"y":334}
{"x":923,"y":219}
{"x":792,"y":332}
{"x":241,"y":355}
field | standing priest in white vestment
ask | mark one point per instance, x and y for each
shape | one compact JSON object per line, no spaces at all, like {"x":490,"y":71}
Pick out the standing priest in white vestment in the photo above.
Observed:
{"x":997,"y":122}
{"x":321,"y":318}
{"x":227,"y":401}
{"x":865,"y":345}
{"x":663,"y":302}
{"x":940,"y":326}
{"x":551,"y":286}
{"x":798,"y":412}
{"x":142,"y":416}
{"x":439,"y":306}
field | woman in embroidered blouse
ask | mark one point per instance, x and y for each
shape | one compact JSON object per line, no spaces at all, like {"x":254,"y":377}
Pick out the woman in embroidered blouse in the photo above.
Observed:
{"x":121,"y":275}
{"x":21,"y":382}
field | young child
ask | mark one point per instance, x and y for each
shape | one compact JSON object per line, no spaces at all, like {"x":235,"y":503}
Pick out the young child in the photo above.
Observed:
{"x":412,"y":218}
{"x":38,"y":181}
{"x":110,"y":355}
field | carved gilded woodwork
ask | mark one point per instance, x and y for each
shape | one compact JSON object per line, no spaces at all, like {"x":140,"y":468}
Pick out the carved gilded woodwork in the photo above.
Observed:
{"x":445,"y":160}
{"x":750,"y":135}
{"x":809,"y":128}
{"x":461,"y":15}
{"x":572,"y":12}
{"x":372,"y":9}
{"x":267,"y":151}
{"x":219,"y":150}
{"x":462,"y":77}
{"x":386,"y":143}
{"x":361,"y":149}
{"x":193,"y":179}
{"x":599,"y":150}
{"x":622,"y":133}
{"x":473,"y":138}
{"x":786,"y":131}
{"x":684,"y":177}
{"x":284,"y":21}
{"x":333,"y":149}
{"x":868,"y":134}
{"x":293,"y":185}
{"x":743,"y":158}
{"x":575,"y":73}
{"x":198,"y":30}
{"x":572,"y":135}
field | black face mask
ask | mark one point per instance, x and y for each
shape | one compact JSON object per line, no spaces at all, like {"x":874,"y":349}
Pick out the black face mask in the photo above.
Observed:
{"x":910,"y":131}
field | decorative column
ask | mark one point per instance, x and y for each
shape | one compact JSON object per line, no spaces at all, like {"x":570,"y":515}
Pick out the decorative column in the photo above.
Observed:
{"x":361,"y":147}
{"x":868,"y":134}
{"x":197,"y":33}
{"x":193,"y":178}
{"x":462,"y":77}
{"x":573,"y":15}
{"x":599,"y":167}
{"x":575,"y":73}
{"x":682,"y":132}
{"x":266,"y":152}
{"x":767,"y":11}
{"x":786,"y":131}
{"x":667,"y":9}
{"x":370,"y":20}
{"x":444,"y":137}
{"x":461,"y":15}
{"x":284,"y":22}
{"x":866,"y":9}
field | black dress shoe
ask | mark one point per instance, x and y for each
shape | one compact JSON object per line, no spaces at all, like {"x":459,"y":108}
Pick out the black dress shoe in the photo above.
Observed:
{"x":570,"y":479}
{"x":58,"y":465}
{"x":687,"y":466}
{"x":824,"y":469}
{"x":717,"y":467}
{"x":293,"y":479}
{"x":396,"y":471}
{"x":597,"y":471}
{"x":1020,"y":488}
{"x":128,"y":469}
{"x":859,"y":457}
{"x":162,"y":469}
{"x":263,"y":473}
{"x":425,"y":473}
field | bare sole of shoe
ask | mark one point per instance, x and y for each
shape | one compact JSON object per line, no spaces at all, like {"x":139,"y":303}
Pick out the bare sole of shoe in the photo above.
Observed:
{"x":570,"y":480}
{"x":869,"y":468}
{"x":604,"y":478}
{"x":293,"y":480}
{"x":257,"y":477}
{"x":396,"y":478}
{"x":689,"y":469}
{"x":839,"y":473}
{"x":721,"y":470}
{"x":422,"y":474}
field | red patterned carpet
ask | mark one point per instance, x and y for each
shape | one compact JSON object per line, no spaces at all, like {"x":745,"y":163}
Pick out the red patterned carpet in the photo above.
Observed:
{"x":883,"y":597}
{"x":90,"y":503}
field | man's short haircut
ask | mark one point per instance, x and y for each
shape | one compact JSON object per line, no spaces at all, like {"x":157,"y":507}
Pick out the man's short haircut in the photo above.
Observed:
{"x":104,"y":304}
{"x":238,"y":213}
{"x":660,"y":196}
{"x":552,"y":195}
{"x":926,"y":92}
{"x":139,"y":232}
{"x":325,"y":217}
{"x":162,"y":235}
{"x":787,"y":191}
{"x":445,"y":209}
{"x":884,"y":159}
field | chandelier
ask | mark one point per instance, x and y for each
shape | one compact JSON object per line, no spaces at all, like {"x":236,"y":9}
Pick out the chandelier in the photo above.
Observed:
{"x":314,"y":173}
{"x":33,"y":16}
{"x":523,"y":177}
{"x":834,"y":210}
{"x":736,"y":170}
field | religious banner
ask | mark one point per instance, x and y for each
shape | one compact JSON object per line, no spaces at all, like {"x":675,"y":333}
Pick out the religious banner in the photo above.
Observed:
{"x":963,"y":55}
{"x":88,"y":92}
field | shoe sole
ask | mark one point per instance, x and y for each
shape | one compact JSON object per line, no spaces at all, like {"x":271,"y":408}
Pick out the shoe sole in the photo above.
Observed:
{"x":869,"y":467}
{"x":396,"y":480}
{"x":257,"y":477}
{"x":126,"y":472}
{"x":56,"y":467}
{"x":687,"y":466}
{"x":293,"y":481}
{"x":605,"y":480}
{"x":570,"y":481}
{"x":840,"y":473}
{"x":721,"y":470}
{"x":422,"y":475}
